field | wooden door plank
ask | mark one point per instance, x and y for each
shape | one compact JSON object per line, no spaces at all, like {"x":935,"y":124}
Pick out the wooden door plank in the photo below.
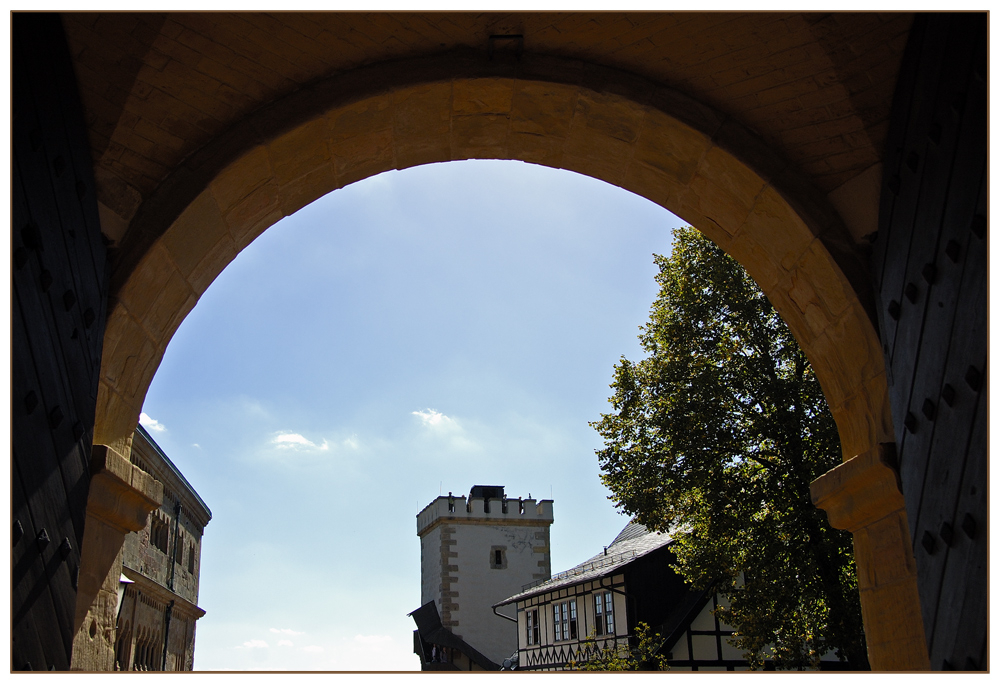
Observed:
{"x":960,"y":637}
{"x":901,"y":196}
{"x":82,"y":371}
{"x":920,"y":360}
{"x":32,"y":344}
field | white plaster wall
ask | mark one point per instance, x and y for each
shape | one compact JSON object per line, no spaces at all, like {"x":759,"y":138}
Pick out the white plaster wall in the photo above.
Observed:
{"x":480,"y":586}
{"x":430,"y":568}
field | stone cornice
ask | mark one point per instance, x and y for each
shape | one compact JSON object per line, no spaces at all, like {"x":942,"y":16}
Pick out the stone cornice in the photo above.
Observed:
{"x":494,"y":522}
{"x":860,"y":491}
{"x":121,"y":495}
{"x":182,"y":607}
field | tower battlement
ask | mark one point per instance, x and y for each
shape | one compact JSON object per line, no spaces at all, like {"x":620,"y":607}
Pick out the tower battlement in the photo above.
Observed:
{"x":494,"y":510}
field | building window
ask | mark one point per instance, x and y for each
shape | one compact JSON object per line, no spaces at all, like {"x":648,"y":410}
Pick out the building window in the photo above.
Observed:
{"x":604,"y":619}
{"x":531,"y":627}
{"x":191,"y":559}
{"x":158,"y":532}
{"x":498,"y":557}
{"x":564,"y":620}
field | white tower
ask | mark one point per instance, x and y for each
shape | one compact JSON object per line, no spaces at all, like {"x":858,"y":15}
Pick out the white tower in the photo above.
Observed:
{"x":477,"y":552}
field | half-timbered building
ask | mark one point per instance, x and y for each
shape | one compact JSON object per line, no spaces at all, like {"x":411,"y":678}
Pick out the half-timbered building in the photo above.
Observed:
{"x":564,"y":621}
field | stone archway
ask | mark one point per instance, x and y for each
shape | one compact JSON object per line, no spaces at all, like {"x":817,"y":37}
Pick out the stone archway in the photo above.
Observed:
{"x":645,"y":138}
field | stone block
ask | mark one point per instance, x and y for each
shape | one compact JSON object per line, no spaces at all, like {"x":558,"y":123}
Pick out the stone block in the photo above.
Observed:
{"x":670,"y":147}
{"x":371,"y":114}
{"x":177,"y":317}
{"x":482,"y":96}
{"x":244,"y":219}
{"x":855,"y":335}
{"x":894,"y":627}
{"x":115,"y":327}
{"x":598,"y":156}
{"x":609,"y":115}
{"x":212,"y":265}
{"x":890,"y":543}
{"x":835,"y":372}
{"x":299,"y":151}
{"x":816,"y":317}
{"x":854,"y":424}
{"x":196,"y":230}
{"x":116,"y":418}
{"x":171,"y":302}
{"x":829,"y":283}
{"x":542,"y":109}
{"x":793,"y":317}
{"x":535,"y":149}
{"x":138,"y":372}
{"x":881,"y":408}
{"x":147,"y":281}
{"x":422,"y":113}
{"x":654,"y":184}
{"x":253,"y":230}
{"x":242,"y":177}
{"x":428,"y":151}
{"x":361,"y":157}
{"x":731,"y":176}
{"x":482,"y":136}
{"x":756,"y":259}
{"x":778,"y":228}
{"x":864,"y":560}
{"x":709,"y":198}
{"x":132,"y":339}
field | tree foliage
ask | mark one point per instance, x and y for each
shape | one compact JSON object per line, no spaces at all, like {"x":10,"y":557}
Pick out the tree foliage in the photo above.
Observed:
{"x":641,"y":653}
{"x":715,"y":436}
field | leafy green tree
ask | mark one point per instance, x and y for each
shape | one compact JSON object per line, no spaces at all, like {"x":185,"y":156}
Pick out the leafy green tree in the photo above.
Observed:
{"x":715,"y":436}
{"x":641,"y":654}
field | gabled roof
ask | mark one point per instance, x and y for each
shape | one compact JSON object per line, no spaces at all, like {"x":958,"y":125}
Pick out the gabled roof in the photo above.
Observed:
{"x":633,"y":542}
{"x":431,"y":630}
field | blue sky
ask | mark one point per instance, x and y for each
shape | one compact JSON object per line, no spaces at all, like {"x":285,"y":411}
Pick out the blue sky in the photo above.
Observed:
{"x":415,"y":333}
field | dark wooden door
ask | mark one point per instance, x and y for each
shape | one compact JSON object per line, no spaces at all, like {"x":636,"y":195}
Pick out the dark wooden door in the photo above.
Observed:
{"x":929,"y":263}
{"x":59,"y":289}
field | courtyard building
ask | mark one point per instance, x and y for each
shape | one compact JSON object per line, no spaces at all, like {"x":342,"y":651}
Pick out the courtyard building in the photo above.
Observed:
{"x":161,"y":563}
{"x":474,"y":552}
{"x":566,"y":620}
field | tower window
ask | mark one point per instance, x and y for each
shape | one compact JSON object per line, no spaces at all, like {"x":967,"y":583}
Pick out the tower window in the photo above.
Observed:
{"x":498,"y":557}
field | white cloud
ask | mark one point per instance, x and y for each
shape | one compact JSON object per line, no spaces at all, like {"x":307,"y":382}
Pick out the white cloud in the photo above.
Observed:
{"x":435,"y":419}
{"x":151,"y":424}
{"x":285,"y":642}
{"x":312,"y":649}
{"x":286,"y":631}
{"x":373,"y":638}
{"x":293,"y":440}
{"x":254,"y":643}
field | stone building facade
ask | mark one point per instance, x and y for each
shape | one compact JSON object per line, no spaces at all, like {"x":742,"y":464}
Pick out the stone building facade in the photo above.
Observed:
{"x":475,"y":552}
{"x":160,"y":570}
